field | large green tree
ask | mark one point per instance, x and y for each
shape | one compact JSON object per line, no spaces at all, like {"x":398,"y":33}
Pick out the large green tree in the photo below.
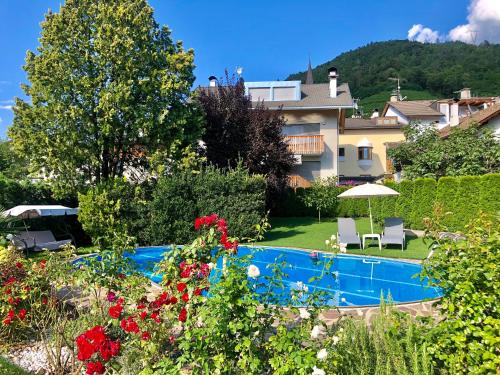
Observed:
{"x":108,"y":86}
{"x":425,"y":153}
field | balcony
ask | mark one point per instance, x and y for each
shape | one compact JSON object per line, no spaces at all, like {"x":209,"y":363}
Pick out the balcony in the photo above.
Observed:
{"x":296,"y":181}
{"x":305,"y":144}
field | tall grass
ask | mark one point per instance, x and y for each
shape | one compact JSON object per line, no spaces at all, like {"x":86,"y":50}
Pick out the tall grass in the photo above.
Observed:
{"x":392,"y":344}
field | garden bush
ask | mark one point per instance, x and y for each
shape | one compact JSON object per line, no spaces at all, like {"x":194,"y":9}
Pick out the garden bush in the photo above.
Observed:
{"x":466,"y":341}
{"x":404,"y":203}
{"x":179,"y":198}
{"x":489,"y":192}
{"x":111,"y":211}
{"x":424,"y":195}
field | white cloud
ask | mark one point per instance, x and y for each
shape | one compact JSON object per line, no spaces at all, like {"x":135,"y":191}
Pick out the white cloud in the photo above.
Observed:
{"x":1,"y":120}
{"x":6,"y":104}
{"x":483,"y":23}
{"x":422,"y":34}
{"x":6,"y":107}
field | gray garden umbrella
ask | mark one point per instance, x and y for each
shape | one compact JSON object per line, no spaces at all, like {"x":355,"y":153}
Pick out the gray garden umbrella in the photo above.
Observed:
{"x":368,"y":191}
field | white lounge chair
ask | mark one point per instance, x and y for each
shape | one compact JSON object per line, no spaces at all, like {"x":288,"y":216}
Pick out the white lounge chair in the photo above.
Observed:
{"x":393,"y":233}
{"x":37,"y":240}
{"x":347,"y":232}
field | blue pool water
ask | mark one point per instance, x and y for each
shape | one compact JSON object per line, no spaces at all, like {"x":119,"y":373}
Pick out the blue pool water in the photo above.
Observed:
{"x":358,"y":280}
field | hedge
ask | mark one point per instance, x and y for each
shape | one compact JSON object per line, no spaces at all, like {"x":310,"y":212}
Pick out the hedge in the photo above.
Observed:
{"x":178,"y":199}
{"x":461,"y":197}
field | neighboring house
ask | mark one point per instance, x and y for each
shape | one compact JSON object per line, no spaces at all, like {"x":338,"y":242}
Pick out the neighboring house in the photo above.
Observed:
{"x":441,"y":113}
{"x":363,"y":145}
{"x":314,"y":113}
{"x":489,"y":118}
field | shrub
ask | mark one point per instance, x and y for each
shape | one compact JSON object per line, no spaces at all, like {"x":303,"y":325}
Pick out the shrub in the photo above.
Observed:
{"x":424,"y":193}
{"x":109,"y":212}
{"x":466,"y":340}
{"x":404,"y":202}
{"x":291,"y":204}
{"x":489,"y":192}
{"x":468,"y":204}
{"x":322,"y":195}
{"x":178,"y":199}
{"x":446,"y":197}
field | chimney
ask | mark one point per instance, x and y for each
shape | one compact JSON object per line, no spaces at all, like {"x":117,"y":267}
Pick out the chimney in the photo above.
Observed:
{"x":332,"y":74}
{"x":212,"y":81}
{"x":375,"y":113}
{"x":465,"y":93}
{"x":394,"y":98}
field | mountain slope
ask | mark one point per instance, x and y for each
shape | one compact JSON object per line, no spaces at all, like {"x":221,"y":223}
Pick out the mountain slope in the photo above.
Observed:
{"x":439,"y":69}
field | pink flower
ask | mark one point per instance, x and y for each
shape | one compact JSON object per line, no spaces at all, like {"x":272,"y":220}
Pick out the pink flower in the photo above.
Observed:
{"x":111,"y":297}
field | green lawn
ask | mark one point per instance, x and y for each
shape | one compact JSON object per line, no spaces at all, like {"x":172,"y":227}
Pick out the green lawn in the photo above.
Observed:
{"x":8,"y":368}
{"x":306,"y":232}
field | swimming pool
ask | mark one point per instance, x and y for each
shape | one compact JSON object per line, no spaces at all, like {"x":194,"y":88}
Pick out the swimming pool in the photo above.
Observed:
{"x":358,"y":280}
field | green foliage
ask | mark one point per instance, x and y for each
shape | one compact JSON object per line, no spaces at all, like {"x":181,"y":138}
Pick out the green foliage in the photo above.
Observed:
{"x":467,"y":340}
{"x":14,"y":192}
{"x":393,"y":344}
{"x":424,"y":195}
{"x":439,"y":69}
{"x":468,"y":203}
{"x":105,"y":78}
{"x":446,"y":198}
{"x":179,"y":198}
{"x":404,"y":203}
{"x":489,"y":192}
{"x":322,"y":195}
{"x":108,"y":212}
{"x":12,"y":165}
{"x":472,"y":151}
{"x":291,"y":203}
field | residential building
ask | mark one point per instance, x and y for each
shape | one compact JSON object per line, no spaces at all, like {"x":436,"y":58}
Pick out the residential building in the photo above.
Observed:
{"x":314,"y":113}
{"x":363,"y":145}
{"x":441,"y":113}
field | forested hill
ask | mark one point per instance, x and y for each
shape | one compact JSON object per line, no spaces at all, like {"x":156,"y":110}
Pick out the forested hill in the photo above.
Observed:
{"x":434,"y":69}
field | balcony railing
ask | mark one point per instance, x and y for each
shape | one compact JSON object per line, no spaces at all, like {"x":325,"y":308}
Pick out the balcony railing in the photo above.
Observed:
{"x":296,"y":181}
{"x":305,"y":144}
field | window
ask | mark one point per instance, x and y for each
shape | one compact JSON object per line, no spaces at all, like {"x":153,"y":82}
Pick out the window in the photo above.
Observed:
{"x":364,"y":153}
{"x":341,"y":153}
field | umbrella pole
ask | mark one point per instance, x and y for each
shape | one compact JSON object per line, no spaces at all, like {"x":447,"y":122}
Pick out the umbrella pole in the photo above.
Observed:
{"x":371,"y":219}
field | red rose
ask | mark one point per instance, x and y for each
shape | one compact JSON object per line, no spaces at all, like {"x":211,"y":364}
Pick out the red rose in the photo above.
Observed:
{"x":145,"y":336}
{"x":22,"y":314}
{"x":173,"y":300}
{"x":19,"y":265}
{"x":8,"y":291}
{"x":129,"y":325}
{"x":85,"y":348}
{"x":143,"y":315}
{"x":171,"y":339}
{"x":197,"y":292}
{"x":185,"y":297}
{"x":11,"y":280}
{"x":155,"y":317}
{"x":95,"y":368}
{"x":183,"y":315}
{"x":205,"y":270}
{"x":43,"y":263}
{"x":7,"y":321}
{"x":115,"y":347}
{"x":115,"y":311}
{"x":44,"y":300}
{"x":181,"y":287}
{"x":141,"y":306}
{"x":11,"y":314}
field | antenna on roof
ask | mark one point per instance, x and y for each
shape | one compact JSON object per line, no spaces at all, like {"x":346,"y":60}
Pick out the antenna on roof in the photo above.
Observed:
{"x":396,"y":94}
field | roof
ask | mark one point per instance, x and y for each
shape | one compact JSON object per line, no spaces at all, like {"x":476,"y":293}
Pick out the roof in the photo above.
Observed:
{"x":316,"y":96}
{"x":480,"y":117}
{"x":414,"y":108}
{"x":363,"y":123}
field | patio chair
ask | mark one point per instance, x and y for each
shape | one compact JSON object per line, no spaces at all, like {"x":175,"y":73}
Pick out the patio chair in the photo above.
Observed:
{"x":347,"y":232}
{"x":37,"y":240}
{"x":393,"y":233}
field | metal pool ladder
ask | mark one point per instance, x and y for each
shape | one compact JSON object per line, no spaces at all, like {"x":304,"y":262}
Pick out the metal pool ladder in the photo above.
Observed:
{"x":372,"y":262}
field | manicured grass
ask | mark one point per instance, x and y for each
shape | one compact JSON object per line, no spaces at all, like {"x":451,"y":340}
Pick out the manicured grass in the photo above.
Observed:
{"x":8,"y":368}
{"x":306,"y":232}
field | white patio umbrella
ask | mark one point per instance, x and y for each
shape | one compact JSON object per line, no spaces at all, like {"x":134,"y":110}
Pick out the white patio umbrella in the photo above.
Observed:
{"x":368,"y":191}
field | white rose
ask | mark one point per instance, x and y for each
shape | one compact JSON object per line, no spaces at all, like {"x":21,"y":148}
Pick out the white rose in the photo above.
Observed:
{"x":253,"y":271}
{"x":333,"y":237}
{"x":304,"y":314}
{"x":343,"y":247}
{"x":317,"y":331}
{"x":335,"y":340}
{"x":318,"y":371}
{"x":327,"y":242}
{"x":211,"y":265}
{"x":343,"y":299}
{"x":322,"y":354}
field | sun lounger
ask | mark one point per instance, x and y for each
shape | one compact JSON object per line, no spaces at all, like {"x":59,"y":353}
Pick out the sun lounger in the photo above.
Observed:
{"x":393,"y":232}
{"x":37,"y":240}
{"x":347,"y":233}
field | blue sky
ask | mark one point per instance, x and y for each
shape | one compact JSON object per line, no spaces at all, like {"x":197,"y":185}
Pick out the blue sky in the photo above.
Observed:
{"x":269,"y":39}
